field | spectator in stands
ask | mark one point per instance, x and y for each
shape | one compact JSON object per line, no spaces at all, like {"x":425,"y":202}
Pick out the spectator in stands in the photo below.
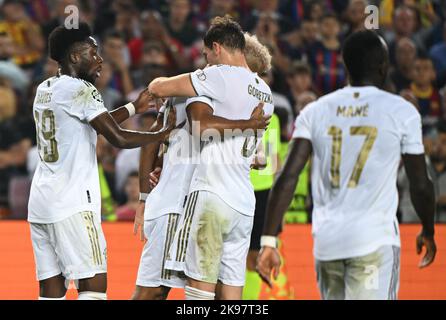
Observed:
{"x":405,"y":25}
{"x":299,"y":81}
{"x":325,"y":57}
{"x":280,"y":102}
{"x":438,"y":55}
{"x":267,"y":30}
{"x":427,"y":94}
{"x":178,"y":25}
{"x":316,"y":10}
{"x":14,"y":145}
{"x":8,"y":69}
{"x":153,"y":31}
{"x":355,"y":15}
{"x":127,"y":211}
{"x":402,"y":72}
{"x":310,"y":32}
{"x":110,"y":95}
{"x":28,"y":43}
{"x":439,"y":163}
{"x":114,"y":51}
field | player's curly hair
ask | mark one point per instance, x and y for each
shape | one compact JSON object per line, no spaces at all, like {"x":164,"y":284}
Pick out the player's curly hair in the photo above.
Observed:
{"x":226,"y":32}
{"x":61,"y":40}
{"x":257,"y":55}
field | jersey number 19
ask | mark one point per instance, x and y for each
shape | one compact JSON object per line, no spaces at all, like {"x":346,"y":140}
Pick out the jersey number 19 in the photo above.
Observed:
{"x":46,"y":129}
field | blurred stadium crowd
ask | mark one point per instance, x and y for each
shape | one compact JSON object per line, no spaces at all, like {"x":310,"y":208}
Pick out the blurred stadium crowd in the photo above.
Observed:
{"x":144,"y":39}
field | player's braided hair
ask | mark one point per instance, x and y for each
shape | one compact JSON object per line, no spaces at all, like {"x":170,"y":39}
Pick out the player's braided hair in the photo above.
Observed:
{"x":226,"y":32}
{"x":61,"y":40}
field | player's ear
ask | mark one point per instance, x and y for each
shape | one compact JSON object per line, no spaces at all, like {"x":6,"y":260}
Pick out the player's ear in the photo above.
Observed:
{"x":216,"y":47}
{"x":73,"y":57}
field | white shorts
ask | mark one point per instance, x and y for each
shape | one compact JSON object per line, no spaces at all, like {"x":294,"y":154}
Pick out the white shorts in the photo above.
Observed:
{"x":212,"y":241}
{"x":75,"y":247}
{"x":371,"y":277}
{"x":159,"y":233}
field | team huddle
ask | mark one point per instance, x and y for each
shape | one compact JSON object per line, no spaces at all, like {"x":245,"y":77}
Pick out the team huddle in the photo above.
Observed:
{"x":197,"y":212}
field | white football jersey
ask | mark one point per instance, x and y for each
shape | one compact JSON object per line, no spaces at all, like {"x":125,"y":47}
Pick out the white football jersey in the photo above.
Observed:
{"x":224,"y":166}
{"x":66,"y":180}
{"x":170,"y":193}
{"x":358,"y":135}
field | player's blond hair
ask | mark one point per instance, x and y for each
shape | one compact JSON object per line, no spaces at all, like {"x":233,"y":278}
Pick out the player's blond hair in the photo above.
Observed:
{"x":257,"y":55}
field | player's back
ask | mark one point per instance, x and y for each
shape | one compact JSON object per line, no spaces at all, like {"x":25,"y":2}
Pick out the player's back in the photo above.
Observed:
{"x":358,"y":135}
{"x":224,"y":166}
{"x":66,"y":179}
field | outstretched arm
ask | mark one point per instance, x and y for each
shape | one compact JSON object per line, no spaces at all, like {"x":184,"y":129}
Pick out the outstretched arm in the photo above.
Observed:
{"x":105,"y":124}
{"x":140,"y":105}
{"x":178,"y":86}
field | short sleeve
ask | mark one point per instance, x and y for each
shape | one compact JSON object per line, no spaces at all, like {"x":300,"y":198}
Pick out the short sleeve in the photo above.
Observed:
{"x":412,"y":138}
{"x":202,"y":99}
{"x":86,"y":103}
{"x":209,"y":82}
{"x":302,"y":125}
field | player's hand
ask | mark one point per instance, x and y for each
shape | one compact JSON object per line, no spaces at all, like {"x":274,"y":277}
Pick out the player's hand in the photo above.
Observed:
{"x":258,"y":118}
{"x":139,"y":220}
{"x":154,"y":177}
{"x":431,"y":249}
{"x":144,"y":101}
{"x":268,"y":261}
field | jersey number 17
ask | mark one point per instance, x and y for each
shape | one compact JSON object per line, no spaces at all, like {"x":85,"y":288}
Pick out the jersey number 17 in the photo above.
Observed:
{"x":370,"y":134}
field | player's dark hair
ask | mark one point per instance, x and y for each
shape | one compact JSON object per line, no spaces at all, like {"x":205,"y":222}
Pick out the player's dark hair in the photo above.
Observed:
{"x":62,"y":40}
{"x":364,"y":55}
{"x":225,"y":32}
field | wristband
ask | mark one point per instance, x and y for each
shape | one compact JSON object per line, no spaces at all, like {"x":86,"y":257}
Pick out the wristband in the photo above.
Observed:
{"x":268,"y":241}
{"x":130,"y":108}
{"x":143,"y":196}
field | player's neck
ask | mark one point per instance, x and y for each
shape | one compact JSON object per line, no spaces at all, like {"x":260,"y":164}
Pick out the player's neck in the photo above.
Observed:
{"x":68,"y":71}
{"x":367,"y":83}
{"x":236,"y":59}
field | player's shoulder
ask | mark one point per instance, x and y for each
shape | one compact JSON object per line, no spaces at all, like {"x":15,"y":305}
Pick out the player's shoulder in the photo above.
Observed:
{"x":65,"y":86}
{"x":396,"y":104}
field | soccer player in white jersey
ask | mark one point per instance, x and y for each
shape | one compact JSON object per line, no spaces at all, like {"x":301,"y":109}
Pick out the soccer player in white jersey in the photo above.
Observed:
{"x":161,"y":208}
{"x":219,"y":213}
{"x":357,"y":136}
{"x":65,"y":202}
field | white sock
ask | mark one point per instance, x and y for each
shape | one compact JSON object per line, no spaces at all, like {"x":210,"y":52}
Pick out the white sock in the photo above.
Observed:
{"x":197,"y":294}
{"x":90,"y":295}
{"x":45,"y":298}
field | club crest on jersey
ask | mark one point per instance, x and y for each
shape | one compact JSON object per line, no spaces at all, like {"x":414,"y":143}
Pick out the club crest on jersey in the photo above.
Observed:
{"x":201,"y":75}
{"x":97,"y":96}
